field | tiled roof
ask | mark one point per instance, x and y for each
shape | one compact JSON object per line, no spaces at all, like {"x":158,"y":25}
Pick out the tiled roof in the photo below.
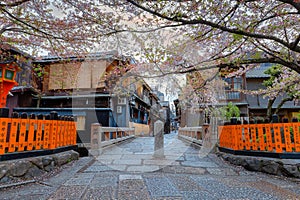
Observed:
{"x":258,"y":102}
{"x":91,"y":56}
{"x":258,"y":72}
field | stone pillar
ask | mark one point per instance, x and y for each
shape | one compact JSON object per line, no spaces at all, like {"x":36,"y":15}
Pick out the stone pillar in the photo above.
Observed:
{"x":96,"y":139}
{"x":158,"y":139}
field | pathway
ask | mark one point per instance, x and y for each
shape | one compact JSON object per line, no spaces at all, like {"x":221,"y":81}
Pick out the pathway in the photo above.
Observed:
{"x":129,"y":171}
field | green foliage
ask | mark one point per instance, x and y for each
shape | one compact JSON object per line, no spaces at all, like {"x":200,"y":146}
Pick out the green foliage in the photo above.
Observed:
{"x":274,"y":73}
{"x":229,"y":111}
{"x":232,"y":110}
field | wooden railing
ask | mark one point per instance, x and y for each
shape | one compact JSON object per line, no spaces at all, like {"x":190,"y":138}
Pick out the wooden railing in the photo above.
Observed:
{"x":105,"y":136}
{"x":23,"y":133}
{"x":276,"y":137}
{"x":192,"y":134}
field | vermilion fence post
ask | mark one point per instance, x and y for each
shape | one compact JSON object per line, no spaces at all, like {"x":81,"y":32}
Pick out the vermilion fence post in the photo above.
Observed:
{"x":47,"y":126}
{"x":252,"y":128}
{"x":239,"y":137}
{"x":63,"y":131}
{"x":40,"y":132}
{"x":59,"y":132}
{"x":221,"y":134}
{"x":260,"y":136}
{"x":269,"y":141}
{"x":225,"y":137}
{"x":22,"y":134}
{"x":15,"y":121}
{"x":277,"y":137}
{"x":3,"y":134}
{"x":31,"y":132}
{"x":71,"y":122}
{"x":247,"y":136}
{"x":287,"y":137}
{"x":53,"y":130}
{"x":67,"y":130}
{"x":74,"y":130}
{"x":296,"y":130}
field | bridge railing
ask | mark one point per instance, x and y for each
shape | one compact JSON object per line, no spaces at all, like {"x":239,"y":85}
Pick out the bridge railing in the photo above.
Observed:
{"x":105,"y":136}
{"x":275,"y":138}
{"x":26,"y":133}
{"x":193,"y":134}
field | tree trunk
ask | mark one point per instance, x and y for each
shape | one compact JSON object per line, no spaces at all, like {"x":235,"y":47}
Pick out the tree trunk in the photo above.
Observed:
{"x":282,"y":102}
{"x":269,"y":109}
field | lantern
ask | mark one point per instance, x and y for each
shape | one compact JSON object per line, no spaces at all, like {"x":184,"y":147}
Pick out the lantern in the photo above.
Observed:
{"x":8,"y":73}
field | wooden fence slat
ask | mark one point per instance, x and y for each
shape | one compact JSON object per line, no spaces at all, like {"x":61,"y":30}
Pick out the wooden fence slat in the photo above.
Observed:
{"x":287,"y":137}
{"x":31,"y":134}
{"x":296,"y":131}
{"x":59,"y":134}
{"x":239,"y":137}
{"x":261,"y":138}
{"x":277,"y":137}
{"x":40,"y":133}
{"x":22,"y":134}
{"x":247,"y":137}
{"x":3,"y":133}
{"x":53,"y":136}
{"x":253,"y":136}
{"x":13,"y":135}
{"x":269,"y":140}
{"x":47,"y":126}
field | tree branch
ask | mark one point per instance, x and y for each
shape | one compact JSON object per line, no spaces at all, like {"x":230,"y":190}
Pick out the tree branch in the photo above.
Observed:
{"x":13,"y":4}
{"x":283,"y":102}
{"x":215,"y":25}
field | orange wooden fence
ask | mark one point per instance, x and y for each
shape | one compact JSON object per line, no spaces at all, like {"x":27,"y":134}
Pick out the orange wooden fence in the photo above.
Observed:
{"x":277,"y":137}
{"x":26,"y":134}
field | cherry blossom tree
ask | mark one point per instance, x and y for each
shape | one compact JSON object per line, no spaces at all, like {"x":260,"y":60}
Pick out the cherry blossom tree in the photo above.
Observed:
{"x":175,"y":37}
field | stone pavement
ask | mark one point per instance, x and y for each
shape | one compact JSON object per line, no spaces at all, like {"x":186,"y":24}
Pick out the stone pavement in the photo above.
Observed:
{"x":129,"y":171}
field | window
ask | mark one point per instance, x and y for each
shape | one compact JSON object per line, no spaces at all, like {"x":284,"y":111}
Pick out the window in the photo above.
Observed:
{"x":232,"y":88}
{"x":9,"y":74}
{"x":119,"y":109}
{"x":122,"y":101}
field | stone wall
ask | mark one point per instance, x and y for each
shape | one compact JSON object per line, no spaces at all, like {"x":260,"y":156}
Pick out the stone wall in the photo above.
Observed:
{"x":281,"y":167}
{"x":29,"y":168}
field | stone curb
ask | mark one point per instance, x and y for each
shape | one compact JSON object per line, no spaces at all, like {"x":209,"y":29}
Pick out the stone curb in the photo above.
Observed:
{"x":281,"y":167}
{"x":28,"y":168}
